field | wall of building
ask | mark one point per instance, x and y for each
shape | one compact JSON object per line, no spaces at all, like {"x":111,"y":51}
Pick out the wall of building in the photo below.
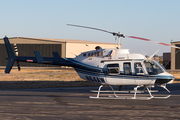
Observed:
{"x":175,"y":56}
{"x":26,"y":47}
{"x":172,"y":57}
{"x":65,"y":48}
{"x":167,"y":60}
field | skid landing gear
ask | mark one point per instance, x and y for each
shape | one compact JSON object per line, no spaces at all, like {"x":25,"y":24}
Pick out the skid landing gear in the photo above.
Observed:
{"x":135,"y":91}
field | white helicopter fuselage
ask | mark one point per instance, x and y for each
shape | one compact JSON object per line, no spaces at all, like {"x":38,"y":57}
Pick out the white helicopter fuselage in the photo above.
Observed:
{"x":119,"y":67}
{"x":107,"y":67}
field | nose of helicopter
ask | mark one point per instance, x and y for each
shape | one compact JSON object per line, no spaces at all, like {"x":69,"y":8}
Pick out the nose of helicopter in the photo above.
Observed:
{"x":164,"y":78}
{"x":172,"y":77}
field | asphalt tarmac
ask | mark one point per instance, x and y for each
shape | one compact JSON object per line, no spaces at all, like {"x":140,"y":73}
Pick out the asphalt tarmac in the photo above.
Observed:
{"x":73,"y":103}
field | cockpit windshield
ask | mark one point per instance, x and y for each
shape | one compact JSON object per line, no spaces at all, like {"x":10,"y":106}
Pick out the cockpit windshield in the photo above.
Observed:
{"x":153,"y":68}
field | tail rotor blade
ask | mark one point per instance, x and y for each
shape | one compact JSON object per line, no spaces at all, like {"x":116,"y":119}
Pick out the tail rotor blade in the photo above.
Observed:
{"x":16,"y":53}
{"x":19,"y":68}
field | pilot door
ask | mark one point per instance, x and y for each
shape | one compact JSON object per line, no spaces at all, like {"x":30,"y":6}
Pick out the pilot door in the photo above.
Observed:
{"x":139,"y":74}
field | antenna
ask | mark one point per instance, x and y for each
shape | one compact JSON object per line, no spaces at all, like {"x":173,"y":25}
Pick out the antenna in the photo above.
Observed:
{"x":120,"y":40}
{"x":153,"y":54}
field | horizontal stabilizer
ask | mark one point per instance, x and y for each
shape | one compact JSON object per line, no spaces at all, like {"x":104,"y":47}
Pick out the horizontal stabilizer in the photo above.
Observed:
{"x":9,"y":65}
{"x":39,"y":57}
{"x":56,"y":55}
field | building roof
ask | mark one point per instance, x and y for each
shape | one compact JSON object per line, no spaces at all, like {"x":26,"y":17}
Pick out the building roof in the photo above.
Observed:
{"x":61,"y":40}
{"x":175,"y":41}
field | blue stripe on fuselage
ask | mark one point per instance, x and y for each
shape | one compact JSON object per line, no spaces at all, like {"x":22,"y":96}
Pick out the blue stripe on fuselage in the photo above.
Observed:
{"x":80,"y":65}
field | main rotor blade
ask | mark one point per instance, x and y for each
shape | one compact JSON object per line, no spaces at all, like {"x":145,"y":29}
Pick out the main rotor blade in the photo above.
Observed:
{"x":115,"y":34}
{"x":139,"y":38}
{"x":123,"y":35}
{"x":90,"y":28}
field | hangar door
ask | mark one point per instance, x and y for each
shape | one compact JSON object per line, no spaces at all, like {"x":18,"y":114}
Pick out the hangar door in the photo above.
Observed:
{"x":28,"y":50}
{"x":177,"y":58}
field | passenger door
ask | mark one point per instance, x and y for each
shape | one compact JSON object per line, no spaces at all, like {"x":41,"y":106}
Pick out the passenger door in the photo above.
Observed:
{"x":113,"y":69}
{"x":128,"y":77}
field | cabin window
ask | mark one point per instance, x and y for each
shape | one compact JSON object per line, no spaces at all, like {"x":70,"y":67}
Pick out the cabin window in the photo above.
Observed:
{"x":95,"y":54}
{"x":152,"y":67}
{"x":111,"y":53}
{"x":84,"y":55}
{"x":113,"y":69}
{"x":127,"y":68}
{"x":100,"y":54}
{"x":138,"y":68}
{"x":89,"y":54}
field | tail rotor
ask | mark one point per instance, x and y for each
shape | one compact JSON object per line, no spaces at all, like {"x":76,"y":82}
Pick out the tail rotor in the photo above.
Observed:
{"x":16,"y":53}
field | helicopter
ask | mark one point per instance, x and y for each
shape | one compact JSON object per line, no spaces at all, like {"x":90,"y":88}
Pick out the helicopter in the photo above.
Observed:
{"x":108,"y":67}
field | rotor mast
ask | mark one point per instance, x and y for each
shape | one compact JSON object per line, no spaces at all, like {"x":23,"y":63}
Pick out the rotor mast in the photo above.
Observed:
{"x":120,"y":38}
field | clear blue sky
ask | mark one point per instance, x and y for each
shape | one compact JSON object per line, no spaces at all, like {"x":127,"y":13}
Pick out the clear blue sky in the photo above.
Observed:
{"x":158,"y":20}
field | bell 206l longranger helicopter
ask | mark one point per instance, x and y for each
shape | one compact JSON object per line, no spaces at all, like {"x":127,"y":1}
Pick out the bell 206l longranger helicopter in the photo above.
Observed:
{"x":108,"y":67}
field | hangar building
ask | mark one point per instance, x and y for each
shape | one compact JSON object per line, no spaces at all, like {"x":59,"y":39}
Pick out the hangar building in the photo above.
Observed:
{"x":65,"y":48}
{"x":175,"y":56}
{"x":167,"y":60}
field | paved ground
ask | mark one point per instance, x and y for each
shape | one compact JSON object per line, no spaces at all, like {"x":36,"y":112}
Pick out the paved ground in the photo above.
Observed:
{"x":74,"y":103}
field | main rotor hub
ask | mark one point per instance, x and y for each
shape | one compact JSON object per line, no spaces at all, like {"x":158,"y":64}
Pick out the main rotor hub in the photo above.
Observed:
{"x":119,"y":34}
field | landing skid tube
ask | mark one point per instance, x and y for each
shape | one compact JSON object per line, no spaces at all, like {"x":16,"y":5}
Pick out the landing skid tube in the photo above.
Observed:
{"x":115,"y":96}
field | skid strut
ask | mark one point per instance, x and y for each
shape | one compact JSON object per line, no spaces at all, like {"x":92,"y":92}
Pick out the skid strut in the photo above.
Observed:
{"x":149,"y":91}
{"x":99,"y":90}
{"x":135,"y":89}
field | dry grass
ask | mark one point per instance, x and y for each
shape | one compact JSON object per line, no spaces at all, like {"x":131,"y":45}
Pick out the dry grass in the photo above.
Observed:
{"x":39,"y":78}
{"x":47,"y":75}
{"x":47,"y":78}
{"x":175,"y":74}
{"x":40,"y":75}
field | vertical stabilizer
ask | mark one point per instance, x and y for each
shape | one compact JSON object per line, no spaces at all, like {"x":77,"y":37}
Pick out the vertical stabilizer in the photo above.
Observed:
{"x":11,"y":56}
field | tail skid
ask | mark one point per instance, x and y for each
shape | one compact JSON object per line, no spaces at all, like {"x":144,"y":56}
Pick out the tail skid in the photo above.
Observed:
{"x":11,"y":56}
